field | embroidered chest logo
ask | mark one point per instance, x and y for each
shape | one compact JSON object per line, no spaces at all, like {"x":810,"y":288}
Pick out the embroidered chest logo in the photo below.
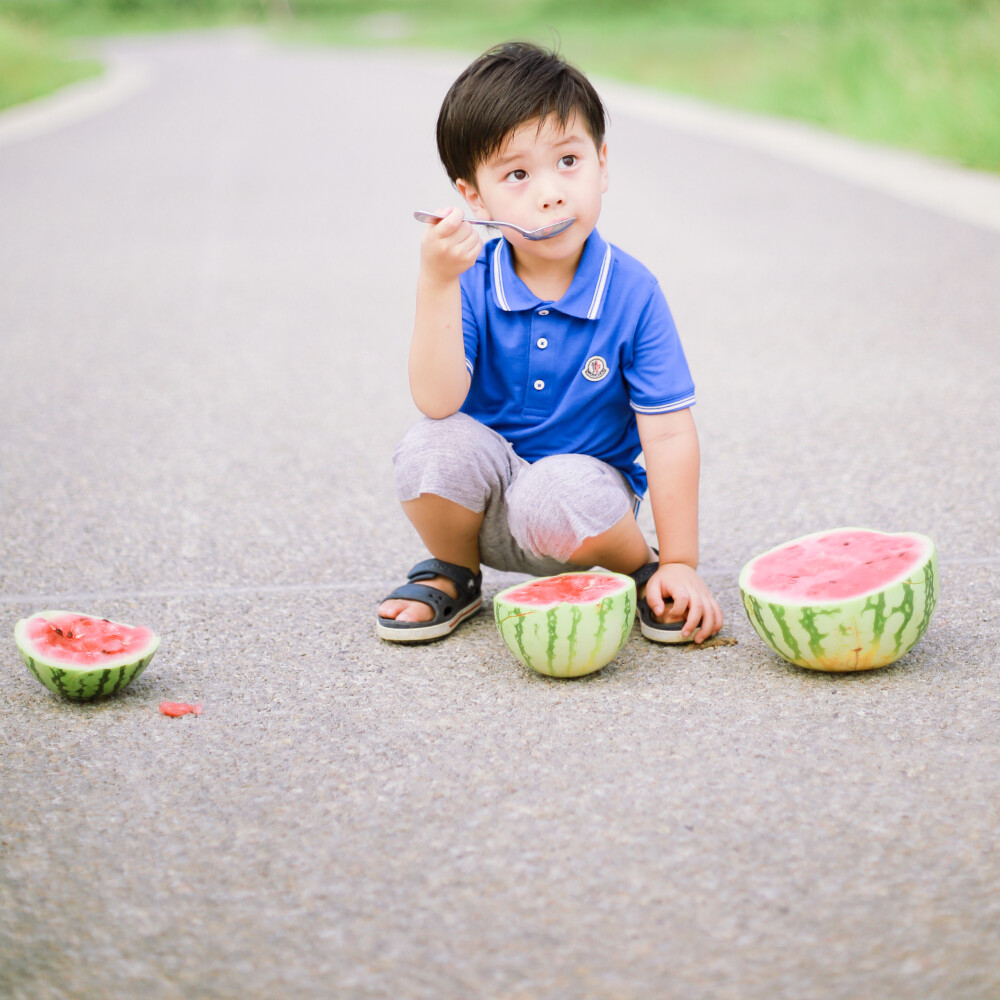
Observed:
{"x":595,"y":369}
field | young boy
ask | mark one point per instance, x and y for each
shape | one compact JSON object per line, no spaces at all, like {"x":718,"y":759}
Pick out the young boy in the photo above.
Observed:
{"x":543,"y":368}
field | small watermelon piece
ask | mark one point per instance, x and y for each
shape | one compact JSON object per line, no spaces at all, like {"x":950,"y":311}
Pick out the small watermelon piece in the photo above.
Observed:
{"x":81,"y":657}
{"x":842,"y":600}
{"x":175,"y":709}
{"x":567,"y":625}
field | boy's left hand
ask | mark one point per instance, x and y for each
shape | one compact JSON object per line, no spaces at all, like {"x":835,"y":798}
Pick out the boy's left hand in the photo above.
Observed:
{"x":693,"y":601}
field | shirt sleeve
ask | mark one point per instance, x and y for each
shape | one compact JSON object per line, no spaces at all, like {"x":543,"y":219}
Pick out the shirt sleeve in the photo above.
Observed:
{"x":657,"y":373}
{"x":471,"y":289}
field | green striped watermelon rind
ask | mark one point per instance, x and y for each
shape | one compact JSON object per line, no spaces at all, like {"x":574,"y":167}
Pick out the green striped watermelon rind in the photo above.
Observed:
{"x":844,"y":635}
{"x":82,"y":683}
{"x":563,"y":639}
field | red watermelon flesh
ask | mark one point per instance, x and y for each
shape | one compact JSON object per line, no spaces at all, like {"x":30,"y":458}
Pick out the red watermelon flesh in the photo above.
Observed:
{"x":78,"y":640}
{"x":569,"y":588}
{"x":838,"y":565}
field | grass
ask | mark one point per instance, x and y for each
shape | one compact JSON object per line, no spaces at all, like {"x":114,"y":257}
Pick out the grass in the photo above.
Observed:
{"x":921,"y":74}
{"x":33,"y":66}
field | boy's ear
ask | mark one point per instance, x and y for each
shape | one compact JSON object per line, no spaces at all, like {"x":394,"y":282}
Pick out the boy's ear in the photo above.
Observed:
{"x":602,"y":154}
{"x":472,"y":199}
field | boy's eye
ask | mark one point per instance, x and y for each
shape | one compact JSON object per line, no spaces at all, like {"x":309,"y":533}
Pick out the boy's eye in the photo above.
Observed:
{"x":568,"y":160}
{"x":517,"y":175}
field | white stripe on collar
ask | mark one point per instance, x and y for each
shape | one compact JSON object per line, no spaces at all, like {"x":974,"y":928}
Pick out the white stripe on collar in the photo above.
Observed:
{"x":599,"y":289}
{"x":602,"y":280}
{"x":498,"y":279}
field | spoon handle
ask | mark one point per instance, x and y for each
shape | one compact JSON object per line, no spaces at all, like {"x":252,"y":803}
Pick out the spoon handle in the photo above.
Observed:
{"x":543,"y":233}
{"x":429,"y":217}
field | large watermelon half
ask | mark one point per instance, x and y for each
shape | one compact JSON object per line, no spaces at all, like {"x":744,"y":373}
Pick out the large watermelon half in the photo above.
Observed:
{"x":842,"y":600}
{"x":567,"y":625}
{"x":81,"y":657}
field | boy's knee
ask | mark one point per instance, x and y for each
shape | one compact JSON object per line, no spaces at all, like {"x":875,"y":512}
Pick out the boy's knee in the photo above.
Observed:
{"x":560,"y":500}
{"x":431,"y":435}
{"x":434,"y":443}
{"x":564,"y":480}
{"x":455,"y":457}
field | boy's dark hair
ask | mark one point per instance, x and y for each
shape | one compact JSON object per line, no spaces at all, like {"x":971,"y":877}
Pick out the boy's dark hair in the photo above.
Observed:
{"x":505,"y":87}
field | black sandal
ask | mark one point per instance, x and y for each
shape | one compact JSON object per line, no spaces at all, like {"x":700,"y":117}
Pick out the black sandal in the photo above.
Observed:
{"x":652,"y":629}
{"x":449,"y":612}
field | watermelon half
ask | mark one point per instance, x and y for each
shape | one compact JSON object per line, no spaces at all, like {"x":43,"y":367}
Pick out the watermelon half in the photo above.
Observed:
{"x":842,"y":600}
{"x":567,"y":625}
{"x":81,"y":657}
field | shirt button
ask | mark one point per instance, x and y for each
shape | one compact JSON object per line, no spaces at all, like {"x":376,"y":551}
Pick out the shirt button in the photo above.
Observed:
{"x":542,"y":343}
{"x":539,"y":384}
{"x":543,"y":312}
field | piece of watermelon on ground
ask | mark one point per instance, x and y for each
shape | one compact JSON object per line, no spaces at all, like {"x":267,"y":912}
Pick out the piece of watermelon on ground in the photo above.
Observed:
{"x":82,"y":657}
{"x":175,"y":709}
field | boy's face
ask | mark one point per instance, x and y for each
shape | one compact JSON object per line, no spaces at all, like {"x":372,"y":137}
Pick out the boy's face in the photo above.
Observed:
{"x":539,"y":177}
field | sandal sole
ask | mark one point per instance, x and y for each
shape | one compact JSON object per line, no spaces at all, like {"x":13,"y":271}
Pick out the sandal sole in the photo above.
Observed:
{"x":666,"y":636}
{"x":425,"y":633}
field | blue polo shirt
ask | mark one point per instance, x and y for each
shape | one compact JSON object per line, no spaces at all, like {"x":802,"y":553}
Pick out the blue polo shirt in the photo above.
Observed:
{"x":568,"y":377}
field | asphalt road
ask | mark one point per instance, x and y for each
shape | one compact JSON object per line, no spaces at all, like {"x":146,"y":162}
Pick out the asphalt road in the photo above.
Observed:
{"x":205,"y":299}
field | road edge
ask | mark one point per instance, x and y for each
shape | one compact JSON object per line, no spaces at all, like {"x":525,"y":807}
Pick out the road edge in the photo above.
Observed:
{"x":967,"y":195}
{"x":75,"y":102}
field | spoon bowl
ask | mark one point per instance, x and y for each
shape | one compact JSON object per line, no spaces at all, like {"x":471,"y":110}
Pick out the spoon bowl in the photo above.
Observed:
{"x":542,"y":233}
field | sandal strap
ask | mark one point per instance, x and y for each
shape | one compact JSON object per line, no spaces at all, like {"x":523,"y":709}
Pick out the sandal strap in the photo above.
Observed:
{"x":468,"y":583}
{"x":443,"y":605}
{"x":643,"y":573}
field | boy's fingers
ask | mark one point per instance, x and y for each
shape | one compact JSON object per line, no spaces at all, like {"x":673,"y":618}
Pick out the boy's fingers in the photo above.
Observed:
{"x":653,"y":598}
{"x":656,"y":596}
{"x":451,"y":221}
{"x":472,"y":240}
{"x":450,"y":246}
{"x":681,"y":605}
{"x":695,"y":607}
{"x":711,"y":621}
{"x":695,"y":616}
{"x":456,"y":232}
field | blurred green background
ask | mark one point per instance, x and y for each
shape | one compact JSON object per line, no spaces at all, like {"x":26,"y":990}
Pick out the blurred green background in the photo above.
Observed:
{"x":920,"y":74}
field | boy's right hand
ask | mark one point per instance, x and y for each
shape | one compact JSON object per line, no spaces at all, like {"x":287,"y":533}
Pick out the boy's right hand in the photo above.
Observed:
{"x":450,"y":247}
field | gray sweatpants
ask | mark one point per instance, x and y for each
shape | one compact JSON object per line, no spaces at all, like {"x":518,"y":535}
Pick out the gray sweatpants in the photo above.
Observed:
{"x":535,"y":513}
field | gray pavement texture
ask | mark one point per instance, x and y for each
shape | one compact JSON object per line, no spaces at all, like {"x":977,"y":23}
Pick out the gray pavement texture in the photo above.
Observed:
{"x":205,"y":300}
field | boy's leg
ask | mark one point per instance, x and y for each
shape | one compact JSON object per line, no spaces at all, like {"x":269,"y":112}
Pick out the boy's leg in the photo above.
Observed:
{"x":622,"y":548}
{"x":451,"y":474}
{"x":578,"y":510}
{"x":450,"y":533}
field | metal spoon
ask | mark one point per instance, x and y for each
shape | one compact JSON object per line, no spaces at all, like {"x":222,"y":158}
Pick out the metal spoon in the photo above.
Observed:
{"x":542,"y":233}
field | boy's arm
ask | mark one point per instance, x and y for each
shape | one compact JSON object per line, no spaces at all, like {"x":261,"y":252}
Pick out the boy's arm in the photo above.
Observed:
{"x":673,"y":464}
{"x":439,"y":378}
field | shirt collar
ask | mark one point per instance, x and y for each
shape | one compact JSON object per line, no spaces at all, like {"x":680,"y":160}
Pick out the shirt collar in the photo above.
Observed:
{"x":585,"y":296}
